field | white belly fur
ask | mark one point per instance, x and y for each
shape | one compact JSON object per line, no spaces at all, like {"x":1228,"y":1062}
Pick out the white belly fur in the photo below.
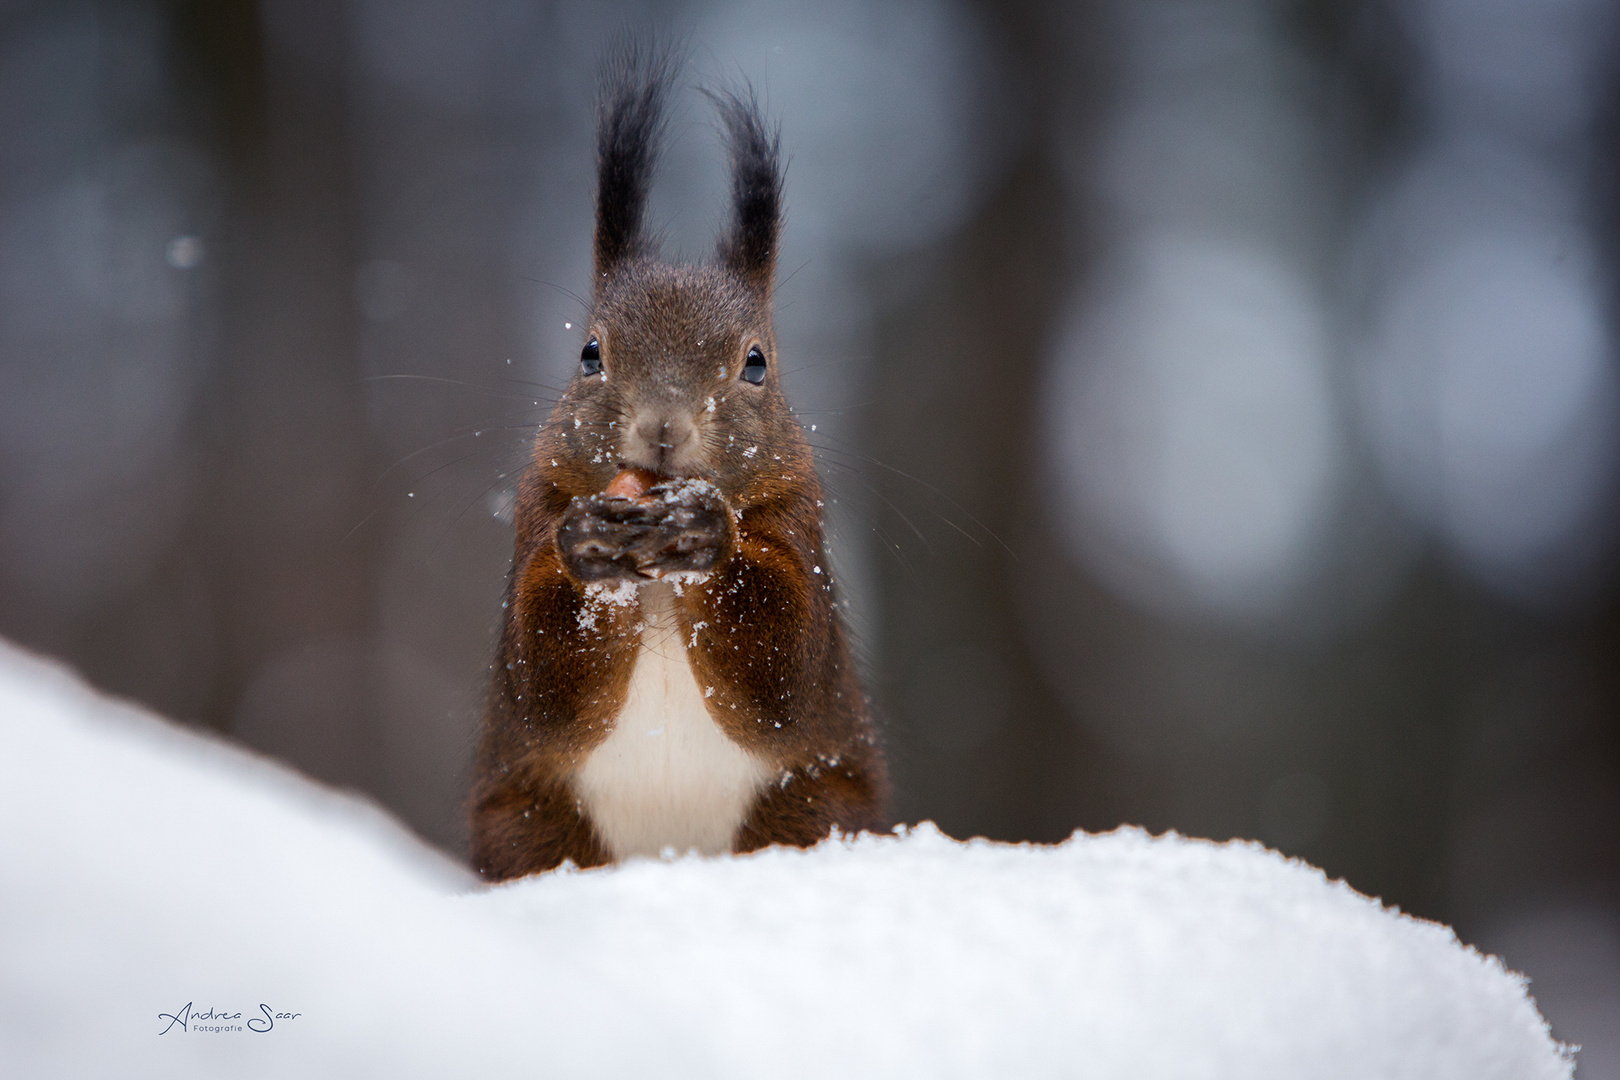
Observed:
{"x":666,"y":776}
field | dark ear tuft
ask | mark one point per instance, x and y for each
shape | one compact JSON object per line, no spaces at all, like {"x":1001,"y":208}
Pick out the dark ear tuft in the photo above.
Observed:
{"x":750,"y":246}
{"x":634,"y":84}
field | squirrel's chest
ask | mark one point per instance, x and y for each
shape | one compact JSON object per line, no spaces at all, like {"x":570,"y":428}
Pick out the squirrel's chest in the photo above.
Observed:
{"x":666,"y":776}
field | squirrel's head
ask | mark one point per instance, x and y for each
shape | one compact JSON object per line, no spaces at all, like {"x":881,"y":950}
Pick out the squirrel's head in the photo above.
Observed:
{"x":678,"y":371}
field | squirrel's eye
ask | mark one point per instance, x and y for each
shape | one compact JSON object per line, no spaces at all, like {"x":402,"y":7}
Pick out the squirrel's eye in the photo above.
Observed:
{"x":590,"y":358}
{"x":754,"y":366}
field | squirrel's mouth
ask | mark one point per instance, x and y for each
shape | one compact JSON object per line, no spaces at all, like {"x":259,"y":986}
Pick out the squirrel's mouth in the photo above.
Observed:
{"x":657,"y":475}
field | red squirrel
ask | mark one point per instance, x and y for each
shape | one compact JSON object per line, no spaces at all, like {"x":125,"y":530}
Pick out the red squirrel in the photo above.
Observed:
{"x":672,"y":674}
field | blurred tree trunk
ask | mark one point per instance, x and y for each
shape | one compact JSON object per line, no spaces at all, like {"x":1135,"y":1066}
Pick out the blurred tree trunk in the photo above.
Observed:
{"x":290,"y":578}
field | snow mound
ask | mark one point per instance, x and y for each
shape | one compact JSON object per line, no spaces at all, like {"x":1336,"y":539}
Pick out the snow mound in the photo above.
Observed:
{"x":144,"y":869}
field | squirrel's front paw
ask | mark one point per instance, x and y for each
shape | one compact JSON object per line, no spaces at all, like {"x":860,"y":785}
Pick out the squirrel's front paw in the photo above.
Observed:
{"x":677,"y":525}
{"x":597,"y":535}
{"x":694,"y":529}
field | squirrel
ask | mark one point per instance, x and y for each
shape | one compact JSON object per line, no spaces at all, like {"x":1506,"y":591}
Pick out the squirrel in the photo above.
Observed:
{"x":672,"y":672}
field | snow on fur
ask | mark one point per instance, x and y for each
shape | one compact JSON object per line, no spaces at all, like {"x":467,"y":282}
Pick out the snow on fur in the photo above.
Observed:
{"x":143,"y":867}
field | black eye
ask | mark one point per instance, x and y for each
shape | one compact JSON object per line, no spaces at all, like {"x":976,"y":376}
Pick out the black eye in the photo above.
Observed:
{"x":754,"y":366}
{"x":590,"y":358}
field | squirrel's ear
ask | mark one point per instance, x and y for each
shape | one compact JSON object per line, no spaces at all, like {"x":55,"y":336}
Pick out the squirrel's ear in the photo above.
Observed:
{"x":634,"y":83}
{"x":749,"y":247}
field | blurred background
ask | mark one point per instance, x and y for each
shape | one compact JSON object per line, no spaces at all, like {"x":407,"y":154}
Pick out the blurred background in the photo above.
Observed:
{"x":1219,"y":399}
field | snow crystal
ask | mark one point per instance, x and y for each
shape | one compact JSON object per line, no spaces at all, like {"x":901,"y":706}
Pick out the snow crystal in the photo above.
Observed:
{"x":601,"y":595}
{"x":682,"y":578}
{"x":686,"y":490}
{"x":145,"y":867}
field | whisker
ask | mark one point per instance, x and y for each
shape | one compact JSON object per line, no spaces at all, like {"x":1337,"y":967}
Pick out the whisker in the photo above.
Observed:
{"x":825,"y":363}
{"x":891,"y":546}
{"x":416,"y":481}
{"x":361,"y":524}
{"x":783,"y":283}
{"x":835,"y":412}
{"x":463,"y":383}
{"x":885,"y":500}
{"x":440,"y":468}
{"x":571,"y":294}
{"x":557,"y":390}
{"x":922,"y":483}
{"x":471,"y":433}
{"x":484,"y":494}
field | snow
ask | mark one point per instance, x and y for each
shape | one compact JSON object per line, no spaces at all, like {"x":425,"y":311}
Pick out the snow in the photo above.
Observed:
{"x":143,"y":867}
{"x":600,"y":595}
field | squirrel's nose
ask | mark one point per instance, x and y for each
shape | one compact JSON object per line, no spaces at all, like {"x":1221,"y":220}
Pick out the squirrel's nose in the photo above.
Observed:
{"x":661,"y":442}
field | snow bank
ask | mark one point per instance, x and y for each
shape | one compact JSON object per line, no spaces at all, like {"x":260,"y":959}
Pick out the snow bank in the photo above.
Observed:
{"x":143,"y":868}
